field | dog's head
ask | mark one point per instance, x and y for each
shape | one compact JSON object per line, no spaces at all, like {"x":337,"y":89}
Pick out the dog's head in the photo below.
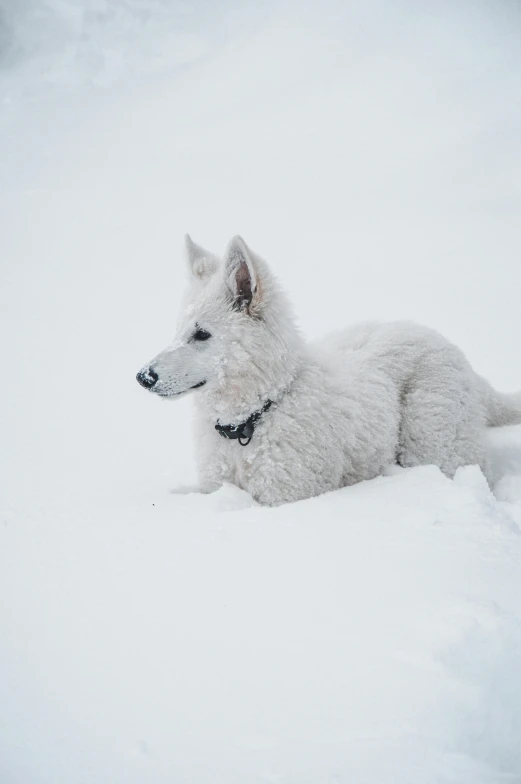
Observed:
{"x":236,"y":329}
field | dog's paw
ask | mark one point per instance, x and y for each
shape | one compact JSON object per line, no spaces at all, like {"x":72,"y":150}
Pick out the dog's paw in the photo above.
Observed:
{"x":186,"y":489}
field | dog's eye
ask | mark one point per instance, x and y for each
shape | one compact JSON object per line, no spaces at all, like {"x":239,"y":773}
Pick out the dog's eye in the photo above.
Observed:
{"x":201,"y":334}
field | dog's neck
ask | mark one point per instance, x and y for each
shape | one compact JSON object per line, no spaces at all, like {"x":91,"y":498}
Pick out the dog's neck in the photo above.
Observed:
{"x":245,"y":390}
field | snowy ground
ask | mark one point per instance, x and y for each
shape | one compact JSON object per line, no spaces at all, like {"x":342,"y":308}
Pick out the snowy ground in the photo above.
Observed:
{"x":371,"y":153}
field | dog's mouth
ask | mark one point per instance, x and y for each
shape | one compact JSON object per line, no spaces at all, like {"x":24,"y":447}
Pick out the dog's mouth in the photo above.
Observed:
{"x":166,"y":393}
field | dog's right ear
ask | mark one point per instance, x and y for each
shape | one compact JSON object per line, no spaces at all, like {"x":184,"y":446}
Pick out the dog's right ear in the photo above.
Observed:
{"x":240,"y":274}
{"x":201,"y":262}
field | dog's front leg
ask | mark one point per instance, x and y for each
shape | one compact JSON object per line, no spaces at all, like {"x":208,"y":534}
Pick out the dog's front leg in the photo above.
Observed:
{"x":210,"y":477}
{"x":210,"y":460}
{"x":208,"y":483}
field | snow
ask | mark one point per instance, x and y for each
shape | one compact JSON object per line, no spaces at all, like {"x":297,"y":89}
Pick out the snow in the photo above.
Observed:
{"x":152,"y":634}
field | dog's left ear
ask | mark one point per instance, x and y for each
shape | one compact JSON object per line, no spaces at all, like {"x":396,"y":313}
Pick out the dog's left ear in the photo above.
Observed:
{"x":241,"y":277}
{"x":201,"y":262}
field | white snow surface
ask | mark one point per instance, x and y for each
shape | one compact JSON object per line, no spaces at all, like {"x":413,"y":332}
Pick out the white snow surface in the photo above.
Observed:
{"x":149,"y":634}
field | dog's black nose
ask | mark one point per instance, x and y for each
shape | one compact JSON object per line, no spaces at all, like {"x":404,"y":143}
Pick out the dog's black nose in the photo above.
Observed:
{"x":147,"y":378}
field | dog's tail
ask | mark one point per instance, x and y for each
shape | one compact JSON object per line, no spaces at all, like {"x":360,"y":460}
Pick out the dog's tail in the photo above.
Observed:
{"x":501,"y":409}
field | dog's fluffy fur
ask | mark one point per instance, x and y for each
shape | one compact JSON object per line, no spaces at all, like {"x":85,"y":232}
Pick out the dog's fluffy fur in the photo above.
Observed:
{"x":343,"y":408}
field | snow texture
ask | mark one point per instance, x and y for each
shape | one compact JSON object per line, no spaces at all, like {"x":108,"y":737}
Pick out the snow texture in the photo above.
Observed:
{"x":370,"y":635}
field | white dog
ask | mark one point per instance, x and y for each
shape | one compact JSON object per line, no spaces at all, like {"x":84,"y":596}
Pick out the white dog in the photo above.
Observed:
{"x":285,"y":420}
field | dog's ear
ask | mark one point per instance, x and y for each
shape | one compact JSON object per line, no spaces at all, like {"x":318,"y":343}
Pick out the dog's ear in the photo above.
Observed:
{"x":241,"y":277}
{"x":201,"y":262}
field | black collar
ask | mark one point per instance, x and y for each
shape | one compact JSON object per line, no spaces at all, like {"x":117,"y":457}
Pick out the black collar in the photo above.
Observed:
{"x":244,"y":430}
